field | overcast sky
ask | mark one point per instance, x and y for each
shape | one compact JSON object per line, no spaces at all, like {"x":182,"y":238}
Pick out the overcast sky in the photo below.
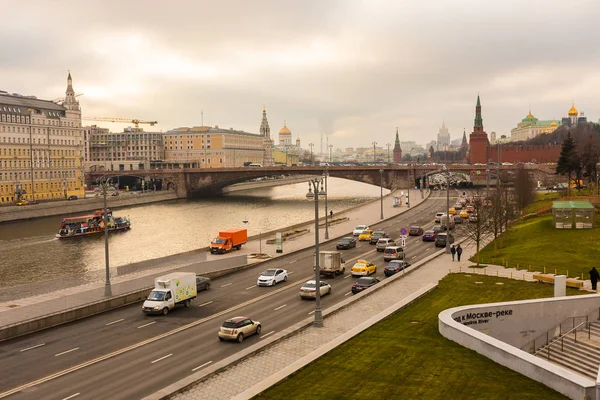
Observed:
{"x":353,"y":70}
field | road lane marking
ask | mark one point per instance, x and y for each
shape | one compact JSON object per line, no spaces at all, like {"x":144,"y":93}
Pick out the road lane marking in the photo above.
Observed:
{"x":33,"y":347}
{"x":203,"y":365}
{"x":293,"y":261}
{"x":349,"y":293}
{"x":413,"y":257}
{"x":205,"y":304}
{"x":280,"y":307}
{"x":250,"y":287}
{"x":267,"y":334}
{"x":291,"y":272}
{"x":429,"y":248}
{"x":227,"y":284}
{"x":348,"y":276}
{"x":162,"y":358}
{"x":145,"y":342}
{"x":149,"y":323}
{"x":114,"y":322}
{"x":65,"y":352}
{"x":72,"y":396}
{"x":312,"y":312}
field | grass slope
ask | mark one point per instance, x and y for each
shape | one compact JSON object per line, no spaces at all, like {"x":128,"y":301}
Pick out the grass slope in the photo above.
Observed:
{"x":405,"y":357}
{"x":535,"y":242}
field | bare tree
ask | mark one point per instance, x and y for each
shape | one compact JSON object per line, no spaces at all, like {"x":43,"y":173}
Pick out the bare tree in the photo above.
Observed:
{"x":476,"y":230}
{"x":524,"y":188}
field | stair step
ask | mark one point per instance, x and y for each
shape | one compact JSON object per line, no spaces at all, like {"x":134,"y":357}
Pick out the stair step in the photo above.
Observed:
{"x":588,"y":373}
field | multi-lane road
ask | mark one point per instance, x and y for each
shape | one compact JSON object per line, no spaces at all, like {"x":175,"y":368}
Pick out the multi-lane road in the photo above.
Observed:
{"x":124,"y":354}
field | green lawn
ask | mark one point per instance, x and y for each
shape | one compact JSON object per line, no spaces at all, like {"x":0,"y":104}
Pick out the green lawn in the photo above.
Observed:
{"x":543,"y":202}
{"x":534,"y":242}
{"x":405,"y":357}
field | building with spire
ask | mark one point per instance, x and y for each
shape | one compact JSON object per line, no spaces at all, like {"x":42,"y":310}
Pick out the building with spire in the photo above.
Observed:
{"x":465,"y":144}
{"x":40,"y":147}
{"x":574,"y":117}
{"x":265,"y":132}
{"x":443,"y":138}
{"x":397,"y":148}
{"x":478,"y":140}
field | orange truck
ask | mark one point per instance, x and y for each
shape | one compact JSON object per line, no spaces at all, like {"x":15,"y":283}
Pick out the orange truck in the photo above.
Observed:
{"x":228,"y":240}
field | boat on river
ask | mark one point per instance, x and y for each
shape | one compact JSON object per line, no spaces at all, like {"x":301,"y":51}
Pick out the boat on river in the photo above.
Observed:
{"x":93,"y":224}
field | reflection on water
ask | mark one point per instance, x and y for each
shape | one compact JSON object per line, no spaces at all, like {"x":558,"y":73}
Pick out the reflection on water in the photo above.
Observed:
{"x":31,"y":253}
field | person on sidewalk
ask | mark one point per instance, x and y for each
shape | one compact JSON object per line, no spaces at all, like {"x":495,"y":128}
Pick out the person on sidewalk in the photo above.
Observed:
{"x":452,"y":251}
{"x":458,"y":251}
{"x":594,"y":275}
{"x":330,"y":214}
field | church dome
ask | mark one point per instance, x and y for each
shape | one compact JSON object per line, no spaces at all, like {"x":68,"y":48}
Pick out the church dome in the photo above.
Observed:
{"x":529,"y":116}
{"x":573,"y":111}
{"x":285,"y":130}
{"x":553,"y":123}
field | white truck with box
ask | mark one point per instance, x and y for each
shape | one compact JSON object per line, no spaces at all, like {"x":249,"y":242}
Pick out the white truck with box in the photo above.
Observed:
{"x":170,"y":291}
{"x":331,"y":263}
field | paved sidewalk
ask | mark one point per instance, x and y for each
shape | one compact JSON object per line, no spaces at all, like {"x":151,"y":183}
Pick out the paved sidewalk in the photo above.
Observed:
{"x":29,"y":308}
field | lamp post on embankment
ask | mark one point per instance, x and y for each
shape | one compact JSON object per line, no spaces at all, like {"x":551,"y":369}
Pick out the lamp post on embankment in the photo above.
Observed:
{"x":315,"y":189}
{"x":104,"y":183}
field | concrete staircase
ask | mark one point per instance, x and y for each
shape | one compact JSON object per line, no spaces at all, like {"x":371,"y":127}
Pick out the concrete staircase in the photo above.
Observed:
{"x":581,"y":356}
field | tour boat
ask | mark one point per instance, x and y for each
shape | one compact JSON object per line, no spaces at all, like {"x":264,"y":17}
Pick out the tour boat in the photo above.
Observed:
{"x":87,"y":225}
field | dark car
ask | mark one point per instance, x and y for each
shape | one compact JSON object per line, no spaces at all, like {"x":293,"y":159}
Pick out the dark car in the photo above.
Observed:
{"x":72,"y":197}
{"x":440,"y":240}
{"x":415,"y":231}
{"x":457,"y":220}
{"x":430,"y":235}
{"x":202,"y":283}
{"x":346,"y":243}
{"x":364,"y":283}
{"x":395,"y":266}
{"x":376,"y":236}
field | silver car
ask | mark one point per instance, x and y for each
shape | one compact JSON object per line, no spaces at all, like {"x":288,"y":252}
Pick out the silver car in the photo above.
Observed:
{"x":383,"y":243}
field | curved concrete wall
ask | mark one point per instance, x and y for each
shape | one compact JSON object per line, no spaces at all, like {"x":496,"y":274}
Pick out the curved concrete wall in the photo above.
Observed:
{"x":493,"y":330}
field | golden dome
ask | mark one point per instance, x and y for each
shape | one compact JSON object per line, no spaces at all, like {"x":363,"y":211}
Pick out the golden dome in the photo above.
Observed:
{"x":553,"y":123}
{"x":573,"y":111}
{"x":285,"y":130}
{"x":530,"y":116}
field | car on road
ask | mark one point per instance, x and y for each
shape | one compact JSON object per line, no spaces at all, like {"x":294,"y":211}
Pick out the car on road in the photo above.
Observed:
{"x":464,"y":214}
{"x":429,"y":235}
{"x":363,"y":267}
{"x":473,"y":218}
{"x":440,"y":240}
{"x":415,"y":231}
{"x":470,"y":209}
{"x":376,"y":236}
{"x":393,"y":253}
{"x":72,"y":197}
{"x":309,"y":289}
{"x":458,"y":220}
{"x":364,"y":283}
{"x":271,"y":276}
{"x":457,"y":206}
{"x":395,"y":266}
{"x":22,"y":202}
{"x":365,"y":235}
{"x":345,"y":243}
{"x":359,"y":229}
{"x":438,"y":217}
{"x":238,"y":328}
{"x":202,"y":283}
{"x":437,"y":229}
{"x":383,"y":243}
{"x":452,"y":211}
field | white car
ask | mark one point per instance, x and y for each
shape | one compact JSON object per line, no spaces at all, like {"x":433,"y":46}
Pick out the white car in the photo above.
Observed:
{"x":438,"y":217}
{"x":309,"y":289}
{"x":359,"y":229}
{"x":272,"y":276}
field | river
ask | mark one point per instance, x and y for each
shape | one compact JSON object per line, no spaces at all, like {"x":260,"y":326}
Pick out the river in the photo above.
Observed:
{"x":30,"y":253}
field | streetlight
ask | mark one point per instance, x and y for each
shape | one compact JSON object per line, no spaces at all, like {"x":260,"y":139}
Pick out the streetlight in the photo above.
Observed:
{"x":325,"y":175}
{"x":374,"y":144}
{"x":330,"y":159}
{"x":445,"y":167}
{"x":388,"y":146}
{"x":104,"y":183}
{"x":311,"y":153}
{"x":381,"y":191}
{"x":245,"y":221}
{"x":313,"y":193}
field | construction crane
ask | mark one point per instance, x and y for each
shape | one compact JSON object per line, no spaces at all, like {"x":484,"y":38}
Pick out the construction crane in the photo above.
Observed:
{"x":134,"y":121}
{"x":61,"y":100}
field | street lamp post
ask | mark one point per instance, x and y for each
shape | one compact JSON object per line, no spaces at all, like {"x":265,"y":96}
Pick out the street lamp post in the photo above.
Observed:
{"x":105,"y":182}
{"x":374,"y":144}
{"x":311,"y":153}
{"x":330,"y":159}
{"x":315,"y":189}
{"x":325,"y":175}
{"x":447,"y":208}
{"x":388,"y":146}
{"x":381,"y":191}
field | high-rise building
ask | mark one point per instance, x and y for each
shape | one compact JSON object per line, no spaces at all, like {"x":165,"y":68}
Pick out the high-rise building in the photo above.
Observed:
{"x":397,"y":148}
{"x":40,"y":147}
{"x":443,"y":138}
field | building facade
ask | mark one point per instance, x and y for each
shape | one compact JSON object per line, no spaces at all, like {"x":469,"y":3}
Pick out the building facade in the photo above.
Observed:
{"x":41,"y":147}
{"x":132,"y":149}
{"x":530,"y":127}
{"x":285,"y":136}
{"x":574,"y":117}
{"x":443,"y":138}
{"x":265,"y":133}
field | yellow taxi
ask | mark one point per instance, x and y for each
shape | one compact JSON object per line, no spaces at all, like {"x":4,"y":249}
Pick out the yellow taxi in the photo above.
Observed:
{"x":363,"y":268}
{"x":22,"y":203}
{"x":452,"y":211}
{"x":365,"y":235}
{"x":464,"y":214}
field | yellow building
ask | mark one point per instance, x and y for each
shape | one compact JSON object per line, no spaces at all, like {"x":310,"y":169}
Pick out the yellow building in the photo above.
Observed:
{"x":530,"y":127}
{"x":40,"y":147}
{"x":283,"y":157}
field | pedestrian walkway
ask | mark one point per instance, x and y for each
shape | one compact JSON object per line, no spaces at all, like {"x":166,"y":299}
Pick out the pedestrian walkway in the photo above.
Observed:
{"x":30,"y":308}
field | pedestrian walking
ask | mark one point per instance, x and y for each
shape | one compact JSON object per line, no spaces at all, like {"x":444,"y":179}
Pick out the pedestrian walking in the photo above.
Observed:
{"x":331,"y":214}
{"x":452,"y":251}
{"x":458,"y":251}
{"x":594,"y":275}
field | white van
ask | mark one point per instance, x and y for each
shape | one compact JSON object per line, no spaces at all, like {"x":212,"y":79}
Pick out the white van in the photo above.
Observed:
{"x":255,"y":165}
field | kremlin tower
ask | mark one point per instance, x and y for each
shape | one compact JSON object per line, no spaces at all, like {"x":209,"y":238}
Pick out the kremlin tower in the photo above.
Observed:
{"x":478,"y":140}
{"x":397,"y":149}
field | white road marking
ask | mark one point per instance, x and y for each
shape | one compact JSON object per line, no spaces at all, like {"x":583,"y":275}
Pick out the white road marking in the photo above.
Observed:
{"x":114,"y":322}
{"x":280,"y":307}
{"x":65,"y":352}
{"x":149,"y":323}
{"x":162,"y":358}
{"x":348,"y":276}
{"x":203,"y":365}
{"x":429,"y":248}
{"x":71,"y":396}
{"x":413,"y":257}
{"x":33,"y":347}
{"x":250,"y":287}
{"x":293,"y":261}
{"x":291,"y":272}
{"x":347,"y":294}
{"x":312,"y":312}
{"x":227,"y":284}
{"x":205,"y":304}
{"x":267,"y":334}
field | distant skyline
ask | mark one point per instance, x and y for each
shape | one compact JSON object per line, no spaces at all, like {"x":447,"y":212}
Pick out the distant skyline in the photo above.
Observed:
{"x":354,"y":70}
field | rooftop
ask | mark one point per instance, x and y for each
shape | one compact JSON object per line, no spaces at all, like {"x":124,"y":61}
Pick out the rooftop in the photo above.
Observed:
{"x":572,"y":204}
{"x":28,"y":102}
